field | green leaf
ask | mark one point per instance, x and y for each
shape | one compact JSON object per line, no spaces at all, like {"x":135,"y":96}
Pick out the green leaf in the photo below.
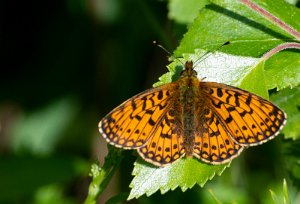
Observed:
{"x":222,"y":68}
{"x":289,"y":100}
{"x":294,"y":2}
{"x":283,"y":10}
{"x":286,"y":198}
{"x":274,"y":196}
{"x":184,"y":173}
{"x":282,"y":196}
{"x":283,"y":70}
{"x":182,"y":11}
{"x":257,"y":75}
{"x":249,"y":34}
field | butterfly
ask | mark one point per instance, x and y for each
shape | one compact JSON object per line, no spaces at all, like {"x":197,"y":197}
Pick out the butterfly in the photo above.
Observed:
{"x":211,"y":121}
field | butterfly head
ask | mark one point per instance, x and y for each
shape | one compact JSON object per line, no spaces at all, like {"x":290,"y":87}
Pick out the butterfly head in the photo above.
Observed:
{"x":189,"y":70}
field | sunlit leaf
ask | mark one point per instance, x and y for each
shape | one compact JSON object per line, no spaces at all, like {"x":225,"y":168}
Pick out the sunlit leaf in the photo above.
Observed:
{"x":184,"y":173}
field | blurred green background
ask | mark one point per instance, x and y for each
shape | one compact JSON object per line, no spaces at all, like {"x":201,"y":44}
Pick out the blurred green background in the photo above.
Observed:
{"x":65,"y":64}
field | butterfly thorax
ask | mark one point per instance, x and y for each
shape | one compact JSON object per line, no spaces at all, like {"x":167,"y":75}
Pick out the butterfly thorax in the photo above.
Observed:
{"x":189,"y":98}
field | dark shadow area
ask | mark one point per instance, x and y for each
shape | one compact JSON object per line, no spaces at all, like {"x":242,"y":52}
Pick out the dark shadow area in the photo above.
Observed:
{"x":245,"y":20}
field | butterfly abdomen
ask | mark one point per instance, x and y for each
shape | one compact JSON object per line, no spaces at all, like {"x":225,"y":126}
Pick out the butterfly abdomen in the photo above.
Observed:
{"x":189,"y":100}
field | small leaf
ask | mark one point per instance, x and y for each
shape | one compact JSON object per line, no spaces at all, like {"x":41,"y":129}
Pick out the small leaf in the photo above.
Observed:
{"x":286,"y":199}
{"x":282,"y":196}
{"x":283,"y":70}
{"x":274,"y":196}
{"x":182,"y":11}
{"x":289,"y":100}
{"x":183,"y":173}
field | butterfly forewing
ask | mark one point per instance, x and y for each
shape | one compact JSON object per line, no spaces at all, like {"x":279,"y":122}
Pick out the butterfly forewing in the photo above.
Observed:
{"x":248,"y":118}
{"x":132,"y":124}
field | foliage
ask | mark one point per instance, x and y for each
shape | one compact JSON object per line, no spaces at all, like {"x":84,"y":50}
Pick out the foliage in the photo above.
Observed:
{"x":289,"y":100}
{"x":249,"y":74}
{"x":67,"y":63}
{"x":184,"y":173}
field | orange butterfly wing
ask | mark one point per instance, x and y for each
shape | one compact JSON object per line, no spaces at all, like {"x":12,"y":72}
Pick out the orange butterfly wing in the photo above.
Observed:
{"x":165,"y":146}
{"x":213,"y":144}
{"x":247,"y":118}
{"x":147,"y":122}
{"x":230,"y":119}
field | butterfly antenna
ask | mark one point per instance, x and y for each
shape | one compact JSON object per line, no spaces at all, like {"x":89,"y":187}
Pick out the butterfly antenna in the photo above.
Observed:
{"x":167,"y":51}
{"x":209,"y":53}
{"x":162,"y":47}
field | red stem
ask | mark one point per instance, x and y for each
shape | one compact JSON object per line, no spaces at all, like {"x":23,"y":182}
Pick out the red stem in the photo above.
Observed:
{"x":280,"y":47}
{"x":272,"y":18}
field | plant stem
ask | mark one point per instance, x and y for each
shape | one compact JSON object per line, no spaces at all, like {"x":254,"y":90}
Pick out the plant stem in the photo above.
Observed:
{"x":102,"y":175}
{"x":214,"y":196}
{"x":280,"y":47}
{"x":272,"y":18}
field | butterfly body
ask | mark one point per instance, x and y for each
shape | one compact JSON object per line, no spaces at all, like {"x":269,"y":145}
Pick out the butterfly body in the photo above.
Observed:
{"x":210,"y":121}
{"x":189,"y":100}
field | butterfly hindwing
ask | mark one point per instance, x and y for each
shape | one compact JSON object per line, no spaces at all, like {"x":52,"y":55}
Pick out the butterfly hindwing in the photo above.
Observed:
{"x":166,"y":144}
{"x":248,"y":118}
{"x":213,"y":144}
